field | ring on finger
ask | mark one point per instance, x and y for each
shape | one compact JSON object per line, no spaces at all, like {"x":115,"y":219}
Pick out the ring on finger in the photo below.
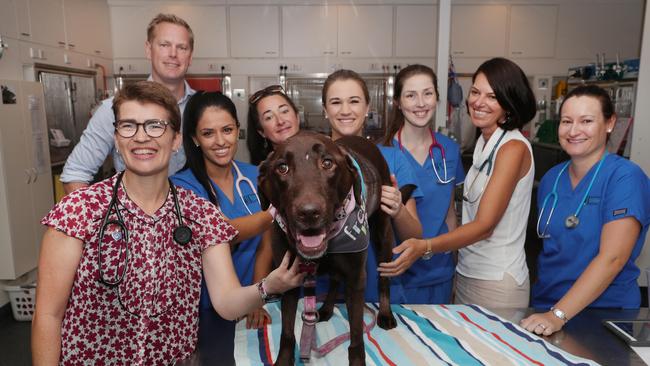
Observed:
{"x":541,"y":326}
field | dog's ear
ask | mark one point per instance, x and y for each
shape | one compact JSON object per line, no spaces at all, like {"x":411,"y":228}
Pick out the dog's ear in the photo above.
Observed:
{"x":406,"y":191}
{"x":352,"y":168}
{"x":264,"y":183}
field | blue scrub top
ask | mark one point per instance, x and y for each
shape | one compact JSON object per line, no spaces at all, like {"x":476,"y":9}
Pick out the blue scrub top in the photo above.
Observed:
{"x":432,"y":208}
{"x":244,"y":257}
{"x":620,"y":190}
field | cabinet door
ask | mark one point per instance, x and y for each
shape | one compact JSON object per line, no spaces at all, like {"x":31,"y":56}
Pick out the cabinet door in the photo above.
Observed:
{"x":309,"y":31}
{"x":15,"y":201}
{"x":8,"y":23}
{"x":478,"y":30}
{"x":87,"y":27}
{"x":129,"y":30}
{"x":365,"y":31}
{"x":46,"y":20}
{"x":254,"y":31}
{"x":208,"y":24}
{"x":610,"y":28}
{"x":532,"y":30}
{"x":416,"y":31}
{"x":22,"y":19}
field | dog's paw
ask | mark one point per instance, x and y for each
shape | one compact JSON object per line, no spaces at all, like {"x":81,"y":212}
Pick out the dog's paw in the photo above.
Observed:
{"x":386,"y":321}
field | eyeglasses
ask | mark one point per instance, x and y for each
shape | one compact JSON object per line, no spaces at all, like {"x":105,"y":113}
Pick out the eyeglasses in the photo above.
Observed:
{"x":152,"y":127}
{"x":269,"y":90}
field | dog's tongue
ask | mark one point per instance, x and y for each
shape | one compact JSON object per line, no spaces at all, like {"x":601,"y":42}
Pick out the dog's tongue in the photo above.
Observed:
{"x":311,"y":241}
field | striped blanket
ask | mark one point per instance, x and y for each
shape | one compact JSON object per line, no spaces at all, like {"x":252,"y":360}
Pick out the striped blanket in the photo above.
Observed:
{"x":425,"y":335}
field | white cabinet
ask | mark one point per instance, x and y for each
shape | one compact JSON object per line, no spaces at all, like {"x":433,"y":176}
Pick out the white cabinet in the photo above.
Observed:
{"x":8,"y":23}
{"x":309,"y":31}
{"x":532,"y":30}
{"x":47,"y":22}
{"x":129,"y":30}
{"x":87,"y":27}
{"x":22,"y":18}
{"x":254,"y":31}
{"x":416,"y":31}
{"x":208,"y":24}
{"x":365,"y":31}
{"x":25,"y":177}
{"x":478,"y":30}
{"x":585,"y":30}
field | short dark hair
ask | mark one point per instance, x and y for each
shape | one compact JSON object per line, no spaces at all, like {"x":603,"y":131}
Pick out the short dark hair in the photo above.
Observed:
{"x":149,"y":92}
{"x":258,"y":148}
{"x":512,"y":90}
{"x":168,"y":18}
{"x":194,"y":110}
{"x":397,"y":117}
{"x":344,"y":74}
{"x":594,"y":91}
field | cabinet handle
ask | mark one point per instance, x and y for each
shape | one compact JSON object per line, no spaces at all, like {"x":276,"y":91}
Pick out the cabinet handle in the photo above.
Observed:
{"x":328,"y":52}
{"x":25,"y":34}
{"x":61,"y":43}
{"x":270,"y":52}
{"x":71,"y":45}
{"x":29,"y":176}
{"x":35,"y":175}
{"x":459,"y":52}
{"x":346,"y":52}
{"x":98,"y":52}
{"x":517,"y":52}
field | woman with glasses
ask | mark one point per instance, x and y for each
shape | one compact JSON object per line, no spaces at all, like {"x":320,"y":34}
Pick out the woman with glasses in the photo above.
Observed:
{"x":491,"y":269}
{"x":210,"y":136}
{"x":346,"y":102}
{"x":435,"y":160}
{"x":120,"y":265}
{"x":594,"y":213}
{"x":272,"y":118}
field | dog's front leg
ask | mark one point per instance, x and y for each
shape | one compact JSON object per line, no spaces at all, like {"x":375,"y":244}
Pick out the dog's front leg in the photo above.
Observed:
{"x":384,"y":249}
{"x":288,"y":337}
{"x":354,"y":300}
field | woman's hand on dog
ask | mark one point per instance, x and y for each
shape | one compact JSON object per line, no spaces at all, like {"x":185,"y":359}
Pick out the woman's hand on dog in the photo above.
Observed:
{"x":391,"y":198}
{"x":409,"y":251}
{"x":284,"y":277}
{"x":257,"y":319}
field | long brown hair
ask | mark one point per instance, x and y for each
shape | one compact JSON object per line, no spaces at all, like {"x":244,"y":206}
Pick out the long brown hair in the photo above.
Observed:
{"x":397,"y":117}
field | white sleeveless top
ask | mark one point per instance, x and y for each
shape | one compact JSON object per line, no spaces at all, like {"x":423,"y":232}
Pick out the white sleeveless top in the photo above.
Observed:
{"x":503,"y":252}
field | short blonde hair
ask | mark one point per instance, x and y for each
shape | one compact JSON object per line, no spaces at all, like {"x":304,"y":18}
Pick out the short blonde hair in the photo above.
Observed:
{"x":168,"y":18}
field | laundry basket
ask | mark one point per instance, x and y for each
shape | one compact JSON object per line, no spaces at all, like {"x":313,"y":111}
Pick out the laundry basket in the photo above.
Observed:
{"x":22,"y":300}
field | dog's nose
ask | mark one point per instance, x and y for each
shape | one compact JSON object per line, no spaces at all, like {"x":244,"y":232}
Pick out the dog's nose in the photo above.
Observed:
{"x":309,"y":213}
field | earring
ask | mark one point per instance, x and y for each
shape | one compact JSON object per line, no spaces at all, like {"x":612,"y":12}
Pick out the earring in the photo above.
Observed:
{"x":266,"y":144}
{"x":609,"y":131}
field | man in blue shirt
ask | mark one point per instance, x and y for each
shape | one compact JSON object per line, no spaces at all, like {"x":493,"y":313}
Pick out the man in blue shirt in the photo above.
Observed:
{"x":169,"y":46}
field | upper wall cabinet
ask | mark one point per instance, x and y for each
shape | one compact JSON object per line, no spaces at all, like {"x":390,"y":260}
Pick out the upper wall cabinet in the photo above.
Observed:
{"x":8,"y":23}
{"x":365,"y":31}
{"x":610,"y":28}
{"x":309,"y":31}
{"x":532,"y":30}
{"x":478,"y":30}
{"x":87,"y":27}
{"x":208,"y":24}
{"x":254,"y":31}
{"x":129,"y":28}
{"x":416,"y":31}
{"x":47,"y":22}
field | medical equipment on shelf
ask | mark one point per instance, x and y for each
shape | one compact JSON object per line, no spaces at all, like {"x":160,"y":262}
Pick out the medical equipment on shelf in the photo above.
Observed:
{"x":488,"y":162}
{"x":182,"y":233}
{"x":571,"y":221}
{"x":434,"y":144}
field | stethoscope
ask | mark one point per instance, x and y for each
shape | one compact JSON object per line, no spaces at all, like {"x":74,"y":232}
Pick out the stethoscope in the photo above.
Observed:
{"x":487,"y":162}
{"x":434,"y":144}
{"x":182,"y":233}
{"x":571,"y":221}
{"x":242,"y":179}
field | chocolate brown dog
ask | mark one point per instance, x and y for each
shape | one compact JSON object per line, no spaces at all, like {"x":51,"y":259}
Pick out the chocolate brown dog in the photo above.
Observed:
{"x":310,"y":180}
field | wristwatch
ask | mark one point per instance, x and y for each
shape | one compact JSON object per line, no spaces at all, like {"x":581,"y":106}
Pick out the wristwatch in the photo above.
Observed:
{"x":559,"y":314}
{"x":428,"y":254}
{"x":266,"y":297}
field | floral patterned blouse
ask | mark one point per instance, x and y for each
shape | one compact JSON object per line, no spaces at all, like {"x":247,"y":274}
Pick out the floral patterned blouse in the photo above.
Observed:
{"x":151,"y":316}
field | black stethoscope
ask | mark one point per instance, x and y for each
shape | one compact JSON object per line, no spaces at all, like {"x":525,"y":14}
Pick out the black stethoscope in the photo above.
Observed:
{"x":488,"y":162}
{"x":182,"y":233}
{"x":434,"y":144}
